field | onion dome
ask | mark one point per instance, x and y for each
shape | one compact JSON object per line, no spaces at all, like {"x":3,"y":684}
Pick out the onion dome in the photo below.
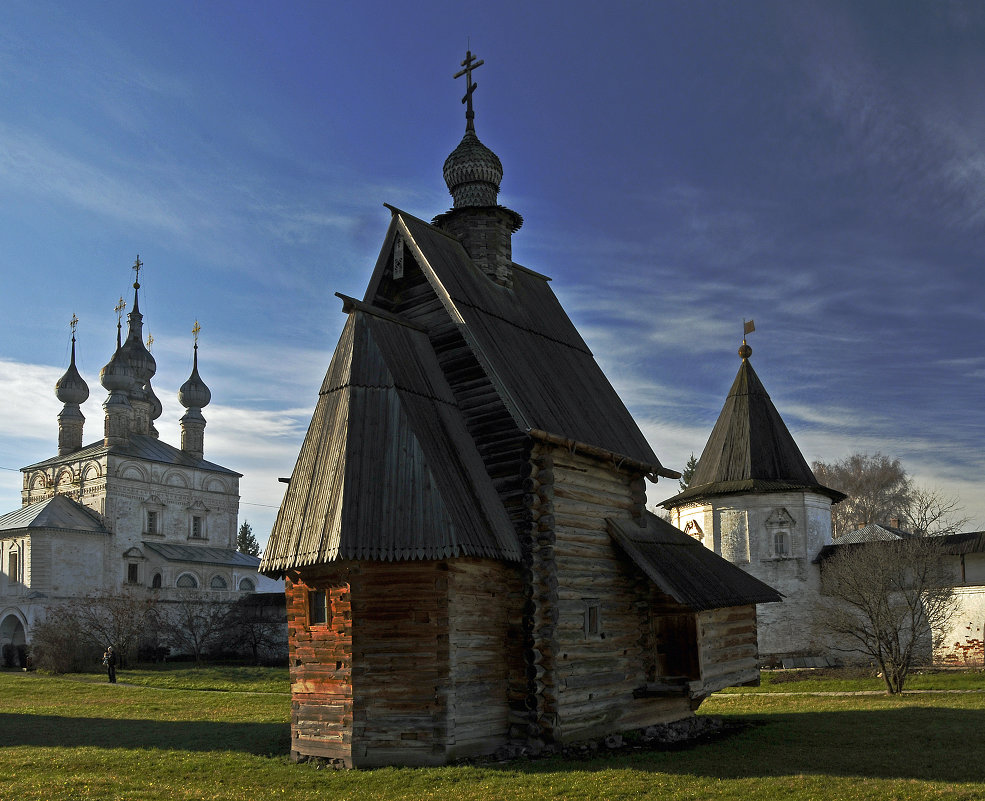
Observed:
{"x":194,"y":394}
{"x":156,"y":409}
{"x":71,"y":388}
{"x":117,"y":375}
{"x":473,"y":173}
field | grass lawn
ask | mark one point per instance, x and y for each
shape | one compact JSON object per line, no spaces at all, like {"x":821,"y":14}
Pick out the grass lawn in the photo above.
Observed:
{"x":170,"y":737}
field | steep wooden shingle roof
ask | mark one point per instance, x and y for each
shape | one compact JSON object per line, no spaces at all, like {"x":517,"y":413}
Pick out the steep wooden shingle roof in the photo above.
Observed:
{"x":750,"y":449}
{"x":387,"y":470}
{"x":541,"y":367}
{"x":684,"y":569}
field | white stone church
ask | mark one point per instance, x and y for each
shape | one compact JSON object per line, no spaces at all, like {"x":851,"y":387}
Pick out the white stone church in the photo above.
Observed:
{"x":126,"y":513}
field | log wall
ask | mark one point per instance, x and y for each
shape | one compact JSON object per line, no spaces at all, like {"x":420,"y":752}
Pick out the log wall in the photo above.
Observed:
{"x":728,"y":649}
{"x":487,"y":687}
{"x":419,"y":662}
{"x":400,"y":663}
{"x":588,"y":679}
{"x":321,"y":670}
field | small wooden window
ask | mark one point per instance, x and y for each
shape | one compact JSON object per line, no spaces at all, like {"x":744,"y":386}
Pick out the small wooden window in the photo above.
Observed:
{"x":132,"y":573}
{"x":317,"y":607}
{"x":593,"y":618}
{"x":780,"y":543}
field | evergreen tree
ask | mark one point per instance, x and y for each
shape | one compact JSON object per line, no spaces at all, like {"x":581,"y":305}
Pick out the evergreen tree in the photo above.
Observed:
{"x":688,"y":472}
{"x":246,"y":542}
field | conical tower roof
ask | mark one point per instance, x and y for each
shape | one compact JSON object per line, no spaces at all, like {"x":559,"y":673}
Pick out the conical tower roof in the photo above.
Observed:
{"x":750,"y":448}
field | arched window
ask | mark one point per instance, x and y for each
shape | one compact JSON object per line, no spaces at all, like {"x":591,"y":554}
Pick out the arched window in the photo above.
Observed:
{"x":218,"y":583}
{"x":156,"y":582}
{"x":245,"y":585}
{"x":186,"y":581}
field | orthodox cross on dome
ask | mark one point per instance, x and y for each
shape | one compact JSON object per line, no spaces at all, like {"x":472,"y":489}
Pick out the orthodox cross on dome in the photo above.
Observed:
{"x":120,"y":307}
{"x":150,"y":340}
{"x":73,"y":324}
{"x":195,"y":329}
{"x":136,"y":268}
{"x":469,"y":64}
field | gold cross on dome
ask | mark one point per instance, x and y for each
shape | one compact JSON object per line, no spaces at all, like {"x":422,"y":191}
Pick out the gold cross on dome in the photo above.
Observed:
{"x":469,"y":64}
{"x":73,"y":324}
{"x":150,"y":340}
{"x":195,"y":331}
{"x":136,"y":268}
{"x":119,"y":308}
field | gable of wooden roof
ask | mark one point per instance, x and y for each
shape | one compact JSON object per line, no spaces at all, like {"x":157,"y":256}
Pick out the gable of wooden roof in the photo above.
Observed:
{"x":684,"y":569}
{"x":750,"y":449}
{"x":387,"y":470}
{"x":540,"y":366}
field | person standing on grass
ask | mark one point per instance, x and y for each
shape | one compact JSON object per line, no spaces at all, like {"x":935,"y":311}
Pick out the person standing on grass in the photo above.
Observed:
{"x":109,"y":660}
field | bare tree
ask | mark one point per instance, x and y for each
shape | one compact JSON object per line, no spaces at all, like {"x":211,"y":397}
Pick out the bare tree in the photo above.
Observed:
{"x":119,"y":620}
{"x":259,"y":623}
{"x":884,"y":599}
{"x":931,"y":512}
{"x":194,"y":623}
{"x":878,"y":490}
{"x":59,"y":645}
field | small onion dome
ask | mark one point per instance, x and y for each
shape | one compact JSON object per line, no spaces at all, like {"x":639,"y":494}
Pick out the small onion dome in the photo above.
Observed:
{"x":116,"y":375}
{"x":194,"y":394}
{"x":71,"y":388}
{"x":156,"y":409}
{"x":139,"y":359}
{"x":473,"y":173}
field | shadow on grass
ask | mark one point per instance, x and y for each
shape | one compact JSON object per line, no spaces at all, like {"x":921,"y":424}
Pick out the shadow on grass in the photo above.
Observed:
{"x":928,"y":744}
{"x":70,"y":732}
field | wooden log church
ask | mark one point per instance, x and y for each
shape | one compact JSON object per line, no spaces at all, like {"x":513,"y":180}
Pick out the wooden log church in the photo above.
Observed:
{"x":468,"y":556}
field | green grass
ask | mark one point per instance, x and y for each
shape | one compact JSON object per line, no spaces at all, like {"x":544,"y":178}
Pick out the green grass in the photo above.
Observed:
{"x":81,"y":738}
{"x":844,"y":680}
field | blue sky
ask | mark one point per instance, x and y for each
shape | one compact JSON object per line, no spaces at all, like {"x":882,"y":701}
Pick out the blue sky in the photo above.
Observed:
{"x":680,"y":166}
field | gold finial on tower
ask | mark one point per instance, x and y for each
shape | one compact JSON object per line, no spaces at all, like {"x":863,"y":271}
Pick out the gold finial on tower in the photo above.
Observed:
{"x":748,"y":326}
{"x":469,"y":64}
{"x":136,"y":268}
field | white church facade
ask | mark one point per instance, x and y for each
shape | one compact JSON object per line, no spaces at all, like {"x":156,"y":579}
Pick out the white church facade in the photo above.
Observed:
{"x":128,"y":513}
